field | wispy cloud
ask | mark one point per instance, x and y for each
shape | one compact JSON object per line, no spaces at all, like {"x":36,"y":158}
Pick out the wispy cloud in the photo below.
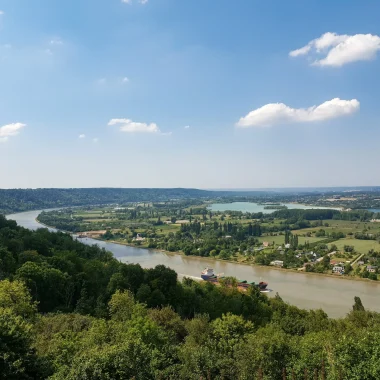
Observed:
{"x":10,"y":130}
{"x":131,"y":1}
{"x":187,"y":126}
{"x":125,"y":80}
{"x":56,"y":41}
{"x":279,"y":113}
{"x":95,"y":140}
{"x":339,"y":50}
{"x":82,"y":136}
{"x":102,"y":81}
{"x":1,"y":13}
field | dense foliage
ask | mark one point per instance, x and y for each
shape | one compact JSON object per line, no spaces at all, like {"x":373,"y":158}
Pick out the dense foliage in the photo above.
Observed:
{"x":71,"y":311}
{"x":15,"y":200}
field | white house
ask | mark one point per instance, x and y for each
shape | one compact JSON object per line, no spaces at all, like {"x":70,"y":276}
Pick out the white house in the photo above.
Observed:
{"x":338,"y":269}
{"x":277,"y":263}
{"x":371,"y":268}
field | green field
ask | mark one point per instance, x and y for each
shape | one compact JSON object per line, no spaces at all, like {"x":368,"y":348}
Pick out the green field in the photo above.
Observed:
{"x":361,"y":246}
{"x":280,"y":239}
{"x":342,"y":226}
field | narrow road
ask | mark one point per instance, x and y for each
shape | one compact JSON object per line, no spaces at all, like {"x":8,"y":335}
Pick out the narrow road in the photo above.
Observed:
{"x":357,"y":259}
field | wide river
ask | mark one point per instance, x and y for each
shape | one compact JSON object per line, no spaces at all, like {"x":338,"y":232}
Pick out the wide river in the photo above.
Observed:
{"x":335,"y":296}
{"x":256,"y":207}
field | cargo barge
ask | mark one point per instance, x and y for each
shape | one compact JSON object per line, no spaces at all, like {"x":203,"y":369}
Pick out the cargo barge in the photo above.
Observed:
{"x":208,"y":275}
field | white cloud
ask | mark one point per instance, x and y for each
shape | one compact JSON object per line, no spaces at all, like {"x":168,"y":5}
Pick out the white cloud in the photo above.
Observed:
{"x":1,"y":13}
{"x":82,"y":136}
{"x":125,"y":80}
{"x":10,"y":130}
{"x":187,"y":126}
{"x":280,"y":113}
{"x":130,"y":1}
{"x":127,"y":125}
{"x":339,"y":50}
{"x":56,"y":41}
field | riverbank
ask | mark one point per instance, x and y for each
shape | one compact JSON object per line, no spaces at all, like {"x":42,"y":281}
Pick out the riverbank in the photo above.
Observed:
{"x":307,"y":292}
{"x":293,"y":270}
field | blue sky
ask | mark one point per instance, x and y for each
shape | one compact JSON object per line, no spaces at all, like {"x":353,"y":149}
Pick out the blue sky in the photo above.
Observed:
{"x":243,"y":76}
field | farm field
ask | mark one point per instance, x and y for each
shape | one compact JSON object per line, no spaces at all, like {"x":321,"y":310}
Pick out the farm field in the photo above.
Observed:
{"x":280,"y":239}
{"x":342,"y":226}
{"x":361,"y":246}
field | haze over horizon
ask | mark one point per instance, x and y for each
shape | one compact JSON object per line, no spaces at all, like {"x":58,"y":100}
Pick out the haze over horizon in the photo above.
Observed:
{"x":162,"y":93}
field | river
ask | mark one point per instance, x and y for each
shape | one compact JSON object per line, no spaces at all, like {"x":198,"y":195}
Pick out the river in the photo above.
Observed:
{"x":335,"y":296}
{"x":256,"y":207}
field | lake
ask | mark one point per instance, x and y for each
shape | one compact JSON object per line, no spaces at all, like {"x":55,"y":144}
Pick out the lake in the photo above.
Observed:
{"x":255,"y":207}
{"x":335,"y":296}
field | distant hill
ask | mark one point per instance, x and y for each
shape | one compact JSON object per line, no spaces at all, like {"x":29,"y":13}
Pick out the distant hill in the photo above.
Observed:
{"x":15,"y":200}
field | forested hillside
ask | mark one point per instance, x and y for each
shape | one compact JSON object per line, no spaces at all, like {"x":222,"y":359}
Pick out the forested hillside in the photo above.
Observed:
{"x":71,"y":311}
{"x":15,"y":200}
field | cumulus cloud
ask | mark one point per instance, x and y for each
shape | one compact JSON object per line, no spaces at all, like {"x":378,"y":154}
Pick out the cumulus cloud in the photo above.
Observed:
{"x":10,"y":130}
{"x":339,"y":50}
{"x":127,"y":125}
{"x":280,"y":113}
{"x":82,"y":136}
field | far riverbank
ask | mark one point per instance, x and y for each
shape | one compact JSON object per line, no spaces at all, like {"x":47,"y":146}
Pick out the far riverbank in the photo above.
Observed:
{"x":293,"y":270}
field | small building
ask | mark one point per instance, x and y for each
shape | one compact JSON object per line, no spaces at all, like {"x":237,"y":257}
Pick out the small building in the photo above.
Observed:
{"x":265,"y":244}
{"x":277,"y":263}
{"x":138,"y":238}
{"x":371,"y":268}
{"x":287,"y":246}
{"x":360,"y":262}
{"x":338,"y":269}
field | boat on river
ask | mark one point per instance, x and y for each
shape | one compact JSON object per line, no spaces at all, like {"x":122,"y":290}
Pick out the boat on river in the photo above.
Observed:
{"x":208,"y":275}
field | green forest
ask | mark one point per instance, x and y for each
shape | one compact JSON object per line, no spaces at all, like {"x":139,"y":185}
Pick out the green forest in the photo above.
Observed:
{"x":72,"y":311}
